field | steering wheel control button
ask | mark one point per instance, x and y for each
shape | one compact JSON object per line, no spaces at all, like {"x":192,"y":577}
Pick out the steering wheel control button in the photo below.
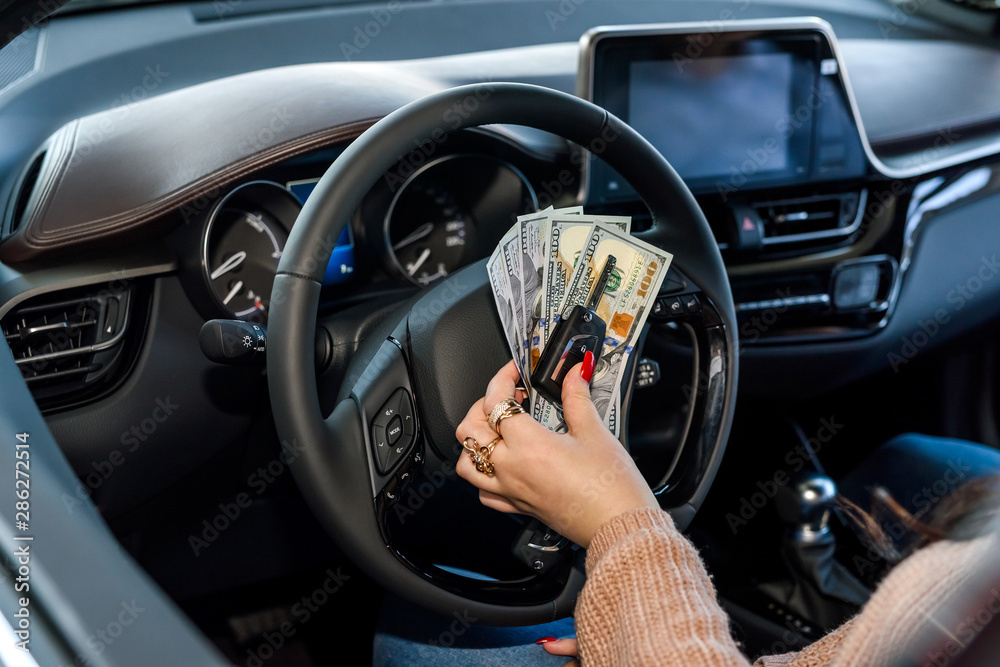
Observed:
{"x":691,"y":304}
{"x":394,"y":430}
{"x":380,"y":446}
{"x":647,"y":373}
{"x":406,"y":414}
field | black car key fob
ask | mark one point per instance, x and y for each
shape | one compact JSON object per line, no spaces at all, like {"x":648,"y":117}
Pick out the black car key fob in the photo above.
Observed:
{"x":578,"y":332}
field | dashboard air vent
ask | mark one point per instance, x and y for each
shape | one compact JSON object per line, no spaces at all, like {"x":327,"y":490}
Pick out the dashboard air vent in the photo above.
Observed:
{"x":24,"y":193}
{"x":820,"y":218}
{"x":73,"y":345}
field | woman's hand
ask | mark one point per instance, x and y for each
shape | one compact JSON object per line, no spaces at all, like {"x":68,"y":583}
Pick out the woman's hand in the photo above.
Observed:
{"x":573,"y":482}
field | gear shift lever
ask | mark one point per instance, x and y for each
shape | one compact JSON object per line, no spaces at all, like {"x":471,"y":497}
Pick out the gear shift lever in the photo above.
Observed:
{"x":806,"y":506}
{"x":821,"y":588}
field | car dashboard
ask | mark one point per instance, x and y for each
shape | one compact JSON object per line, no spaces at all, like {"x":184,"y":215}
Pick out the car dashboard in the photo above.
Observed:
{"x":161,"y":195}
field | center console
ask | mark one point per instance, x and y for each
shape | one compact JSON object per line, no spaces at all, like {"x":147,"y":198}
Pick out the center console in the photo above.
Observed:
{"x":757,"y":118}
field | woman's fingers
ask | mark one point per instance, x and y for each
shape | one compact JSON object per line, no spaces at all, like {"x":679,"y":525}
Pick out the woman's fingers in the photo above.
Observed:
{"x":502,"y":386}
{"x":578,"y":408}
{"x":561,"y":646}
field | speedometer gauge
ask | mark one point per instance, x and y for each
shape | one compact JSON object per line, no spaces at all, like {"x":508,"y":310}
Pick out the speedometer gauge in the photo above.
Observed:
{"x":242,"y":246}
{"x":432,"y":239}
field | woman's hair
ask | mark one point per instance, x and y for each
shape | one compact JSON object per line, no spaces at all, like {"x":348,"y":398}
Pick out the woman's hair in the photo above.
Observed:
{"x":963,"y":514}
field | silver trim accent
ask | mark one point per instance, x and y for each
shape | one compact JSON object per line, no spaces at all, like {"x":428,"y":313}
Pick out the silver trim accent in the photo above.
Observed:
{"x":786,"y":302}
{"x":830,"y":233}
{"x":585,"y":83}
{"x":97,"y":347}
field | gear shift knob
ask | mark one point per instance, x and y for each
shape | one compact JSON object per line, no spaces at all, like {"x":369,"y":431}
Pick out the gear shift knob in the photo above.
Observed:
{"x":805,"y":504}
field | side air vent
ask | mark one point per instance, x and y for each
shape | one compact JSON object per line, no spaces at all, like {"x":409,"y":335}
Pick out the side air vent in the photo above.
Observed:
{"x":24,"y":193}
{"x":822,"y":218}
{"x":75,"y":345}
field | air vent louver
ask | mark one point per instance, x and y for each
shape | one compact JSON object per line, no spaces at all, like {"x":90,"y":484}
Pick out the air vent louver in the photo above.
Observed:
{"x":811,"y":218}
{"x":70,"y":345}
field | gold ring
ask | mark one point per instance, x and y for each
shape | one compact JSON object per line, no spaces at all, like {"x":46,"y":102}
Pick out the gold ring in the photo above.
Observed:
{"x":482,"y":460}
{"x":493,"y":443}
{"x":508,"y":407}
{"x":469,"y":448}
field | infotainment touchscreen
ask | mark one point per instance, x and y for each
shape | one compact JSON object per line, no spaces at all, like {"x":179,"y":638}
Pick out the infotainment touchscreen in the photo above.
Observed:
{"x":730,"y":110}
{"x":720,"y":105}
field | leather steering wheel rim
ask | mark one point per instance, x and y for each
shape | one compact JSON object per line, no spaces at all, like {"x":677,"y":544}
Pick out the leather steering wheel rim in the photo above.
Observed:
{"x":335,"y":450}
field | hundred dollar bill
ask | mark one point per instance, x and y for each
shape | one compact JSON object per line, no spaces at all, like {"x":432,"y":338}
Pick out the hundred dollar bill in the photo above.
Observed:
{"x":534,"y":230}
{"x":510,"y":254}
{"x":500,"y":287}
{"x":551,"y":417}
{"x":566,"y":239}
{"x":624,"y":305}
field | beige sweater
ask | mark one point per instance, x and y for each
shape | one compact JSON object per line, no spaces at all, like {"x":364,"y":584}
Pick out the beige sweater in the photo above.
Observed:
{"x":648,"y":600}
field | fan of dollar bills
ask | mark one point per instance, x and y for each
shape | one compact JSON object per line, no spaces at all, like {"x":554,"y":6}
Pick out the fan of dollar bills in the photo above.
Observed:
{"x":549,"y":262}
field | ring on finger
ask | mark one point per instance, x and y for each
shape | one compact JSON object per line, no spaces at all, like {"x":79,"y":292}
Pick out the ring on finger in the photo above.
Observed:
{"x":473,"y":448}
{"x":482,"y":461}
{"x":508,"y":407}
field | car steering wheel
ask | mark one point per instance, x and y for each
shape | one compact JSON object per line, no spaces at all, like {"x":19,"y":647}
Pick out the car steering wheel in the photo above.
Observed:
{"x":404,"y":396}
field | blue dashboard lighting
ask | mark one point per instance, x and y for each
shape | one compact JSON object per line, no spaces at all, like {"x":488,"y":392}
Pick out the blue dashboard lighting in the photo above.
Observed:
{"x":341,"y":266}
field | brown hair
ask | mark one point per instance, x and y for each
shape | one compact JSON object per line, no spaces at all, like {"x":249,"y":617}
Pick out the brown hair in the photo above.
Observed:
{"x":962,"y":514}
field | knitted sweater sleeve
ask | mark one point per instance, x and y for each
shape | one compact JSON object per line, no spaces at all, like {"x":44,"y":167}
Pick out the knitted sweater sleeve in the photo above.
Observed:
{"x":648,"y":599}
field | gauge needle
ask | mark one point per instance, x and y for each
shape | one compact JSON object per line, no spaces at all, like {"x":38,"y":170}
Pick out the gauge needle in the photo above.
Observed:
{"x":229,"y":264}
{"x":233,"y":292}
{"x":412,"y":268}
{"x":417,"y":234}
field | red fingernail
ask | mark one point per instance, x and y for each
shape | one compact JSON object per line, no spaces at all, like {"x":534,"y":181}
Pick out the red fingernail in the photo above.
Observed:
{"x":587,"y":371}
{"x":546,"y":640}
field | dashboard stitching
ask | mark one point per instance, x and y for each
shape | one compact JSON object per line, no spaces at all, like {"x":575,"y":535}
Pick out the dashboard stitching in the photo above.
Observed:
{"x":30,"y":237}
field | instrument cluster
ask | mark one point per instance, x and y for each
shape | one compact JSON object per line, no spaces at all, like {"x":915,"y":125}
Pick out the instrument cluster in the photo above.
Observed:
{"x":416,"y":226}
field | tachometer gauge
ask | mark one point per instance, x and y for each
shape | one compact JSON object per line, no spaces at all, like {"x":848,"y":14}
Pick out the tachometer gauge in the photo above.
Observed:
{"x":243,"y":243}
{"x":433,"y":236}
